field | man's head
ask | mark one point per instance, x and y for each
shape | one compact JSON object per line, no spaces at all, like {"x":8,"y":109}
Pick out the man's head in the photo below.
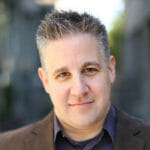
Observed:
{"x":56,"y":25}
{"x":76,"y":75}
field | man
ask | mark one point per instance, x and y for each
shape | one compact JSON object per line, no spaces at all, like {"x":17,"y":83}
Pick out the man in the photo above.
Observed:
{"x":77,"y":72}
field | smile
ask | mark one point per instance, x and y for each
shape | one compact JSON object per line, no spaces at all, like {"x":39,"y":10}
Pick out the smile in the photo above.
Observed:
{"x":81,"y":103}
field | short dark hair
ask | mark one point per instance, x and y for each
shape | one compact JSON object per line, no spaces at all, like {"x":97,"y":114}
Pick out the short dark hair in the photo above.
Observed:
{"x":60,"y":23}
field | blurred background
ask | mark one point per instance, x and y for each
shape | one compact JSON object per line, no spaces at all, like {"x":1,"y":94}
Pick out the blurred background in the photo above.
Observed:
{"x":22,"y":97}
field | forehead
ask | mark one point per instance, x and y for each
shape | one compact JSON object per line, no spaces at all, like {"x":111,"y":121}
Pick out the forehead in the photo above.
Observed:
{"x":72,"y":50}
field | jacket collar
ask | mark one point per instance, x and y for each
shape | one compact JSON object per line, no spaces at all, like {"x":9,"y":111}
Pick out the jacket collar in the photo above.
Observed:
{"x":41,"y":135}
{"x":127,"y":134}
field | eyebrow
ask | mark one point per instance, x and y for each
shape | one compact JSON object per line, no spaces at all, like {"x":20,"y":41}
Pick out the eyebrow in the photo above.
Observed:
{"x":91,"y":64}
{"x":64,"y":69}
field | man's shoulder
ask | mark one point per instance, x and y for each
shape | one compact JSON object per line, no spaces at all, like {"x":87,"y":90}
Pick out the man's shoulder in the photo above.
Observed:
{"x":18,"y":137}
{"x":133,"y":124}
{"x":131,"y":132}
{"x":16,"y":133}
{"x":125,"y":117}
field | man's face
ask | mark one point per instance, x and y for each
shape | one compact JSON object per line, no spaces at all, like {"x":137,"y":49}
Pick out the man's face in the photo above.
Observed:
{"x":78,"y":80}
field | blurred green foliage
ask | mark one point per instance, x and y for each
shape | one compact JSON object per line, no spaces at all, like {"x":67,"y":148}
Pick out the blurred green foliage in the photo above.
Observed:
{"x":2,"y":14}
{"x":116,"y":37}
{"x":4,"y":22}
{"x":6,"y":104}
{"x":6,"y":92}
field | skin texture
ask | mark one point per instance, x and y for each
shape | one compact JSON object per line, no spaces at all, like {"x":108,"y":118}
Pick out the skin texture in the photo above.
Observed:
{"x":79,"y":83}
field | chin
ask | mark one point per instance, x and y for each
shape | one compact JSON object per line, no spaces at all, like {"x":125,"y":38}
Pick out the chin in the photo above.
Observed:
{"x":83,"y":123}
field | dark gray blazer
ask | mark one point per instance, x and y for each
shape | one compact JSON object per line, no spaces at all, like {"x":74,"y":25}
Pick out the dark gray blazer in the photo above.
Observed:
{"x":131,"y":134}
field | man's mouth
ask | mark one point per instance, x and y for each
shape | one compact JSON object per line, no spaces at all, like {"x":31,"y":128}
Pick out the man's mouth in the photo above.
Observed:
{"x":81,"y":103}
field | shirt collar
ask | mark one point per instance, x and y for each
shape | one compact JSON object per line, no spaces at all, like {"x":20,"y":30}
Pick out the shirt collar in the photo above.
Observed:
{"x":109,"y":124}
{"x":57,"y":127}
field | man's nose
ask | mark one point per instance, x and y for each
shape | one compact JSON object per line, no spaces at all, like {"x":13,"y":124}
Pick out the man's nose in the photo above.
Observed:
{"x":79,"y":87}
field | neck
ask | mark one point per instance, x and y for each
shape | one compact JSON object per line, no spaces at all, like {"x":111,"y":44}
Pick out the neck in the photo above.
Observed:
{"x":82,"y":134}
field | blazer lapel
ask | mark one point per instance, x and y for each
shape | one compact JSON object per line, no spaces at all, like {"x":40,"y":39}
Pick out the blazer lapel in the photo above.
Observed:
{"x":126,"y":134}
{"x":41,"y":137}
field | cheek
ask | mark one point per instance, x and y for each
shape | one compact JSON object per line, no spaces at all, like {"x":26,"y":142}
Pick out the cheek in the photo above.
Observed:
{"x":58,"y":94}
{"x":100,"y":88}
{"x":101,"y":92}
{"x":100,"y":85}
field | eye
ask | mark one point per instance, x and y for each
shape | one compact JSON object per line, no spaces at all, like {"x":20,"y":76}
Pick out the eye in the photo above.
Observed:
{"x":63,"y":76}
{"x":90,"y":71}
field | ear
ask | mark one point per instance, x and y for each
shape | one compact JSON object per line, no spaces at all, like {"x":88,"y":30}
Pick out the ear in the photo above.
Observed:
{"x":111,"y":68}
{"x":43,"y":77}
